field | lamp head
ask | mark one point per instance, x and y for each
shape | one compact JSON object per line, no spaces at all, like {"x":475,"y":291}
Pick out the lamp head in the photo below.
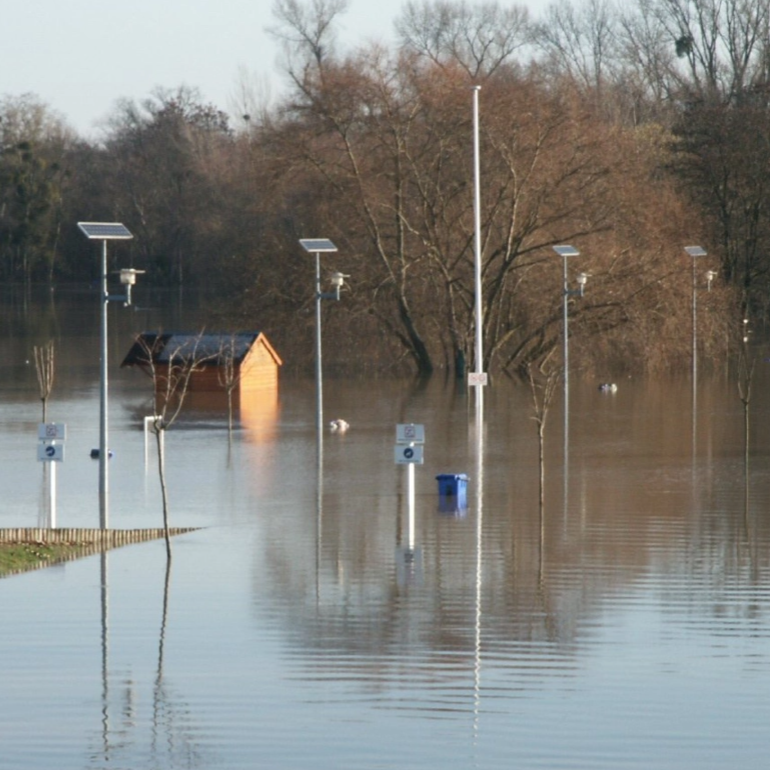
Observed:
{"x":128,"y":275}
{"x":338,"y":280}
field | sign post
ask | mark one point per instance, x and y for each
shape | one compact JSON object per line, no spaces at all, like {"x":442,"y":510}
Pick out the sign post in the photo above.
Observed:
{"x":409,"y":445}
{"x":50,"y":450}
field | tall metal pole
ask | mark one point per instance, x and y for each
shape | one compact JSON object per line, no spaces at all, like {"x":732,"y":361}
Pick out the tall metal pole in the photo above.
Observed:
{"x":103,"y":450}
{"x":564,"y":251}
{"x":694,"y":334}
{"x":318,"y":364}
{"x":107,"y":231}
{"x":565,"y":310}
{"x":479,"y":404}
{"x":694,"y":252}
{"x":477,"y":255}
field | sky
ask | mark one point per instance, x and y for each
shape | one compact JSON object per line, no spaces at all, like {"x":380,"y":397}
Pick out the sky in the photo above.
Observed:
{"x":81,"y":56}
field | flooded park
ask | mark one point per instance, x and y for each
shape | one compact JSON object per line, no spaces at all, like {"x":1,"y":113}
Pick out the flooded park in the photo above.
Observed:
{"x":310,"y":621}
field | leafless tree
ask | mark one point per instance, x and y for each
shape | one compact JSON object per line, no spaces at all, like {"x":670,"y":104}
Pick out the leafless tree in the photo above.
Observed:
{"x":307,"y":31}
{"x":543,"y":381}
{"x":479,"y":38}
{"x":170,"y":371}
{"x":44,"y":367}
{"x":580,"y":40}
{"x":229,"y":374}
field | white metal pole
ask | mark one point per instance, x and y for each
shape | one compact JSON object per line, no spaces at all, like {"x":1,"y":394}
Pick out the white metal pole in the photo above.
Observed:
{"x":52,"y":495}
{"x":318,"y":363}
{"x":694,"y":334}
{"x":146,"y":441}
{"x":410,"y":499}
{"x":565,"y":304}
{"x":103,"y":451}
{"x":477,"y":250}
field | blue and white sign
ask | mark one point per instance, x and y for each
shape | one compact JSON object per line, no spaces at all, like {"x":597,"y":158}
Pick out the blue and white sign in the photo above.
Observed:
{"x":50,"y":453}
{"x":408,"y":454}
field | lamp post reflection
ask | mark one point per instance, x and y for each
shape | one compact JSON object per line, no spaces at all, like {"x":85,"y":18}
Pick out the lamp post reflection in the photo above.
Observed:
{"x":104,"y":602}
{"x":479,"y":500}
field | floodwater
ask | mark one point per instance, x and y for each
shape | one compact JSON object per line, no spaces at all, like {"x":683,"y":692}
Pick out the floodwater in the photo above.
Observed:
{"x":310,"y":623}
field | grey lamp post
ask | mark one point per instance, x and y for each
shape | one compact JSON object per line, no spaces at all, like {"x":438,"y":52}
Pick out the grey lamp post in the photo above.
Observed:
{"x":320,"y":246}
{"x":566,"y":251}
{"x":479,"y":377}
{"x":107,"y":231}
{"x":694,"y":252}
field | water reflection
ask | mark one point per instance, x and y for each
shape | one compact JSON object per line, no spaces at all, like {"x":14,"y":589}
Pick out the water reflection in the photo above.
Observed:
{"x":621,"y":528}
{"x":160,"y":732}
{"x":290,"y":615}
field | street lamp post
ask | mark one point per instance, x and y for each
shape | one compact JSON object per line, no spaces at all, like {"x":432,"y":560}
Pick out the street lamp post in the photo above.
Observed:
{"x":107,"y":231}
{"x":479,"y":378}
{"x":566,"y":251}
{"x":694,"y":252}
{"x":320,"y":246}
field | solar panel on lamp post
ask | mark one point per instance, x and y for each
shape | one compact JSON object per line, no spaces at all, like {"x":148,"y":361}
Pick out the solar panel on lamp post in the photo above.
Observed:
{"x":104,"y":231}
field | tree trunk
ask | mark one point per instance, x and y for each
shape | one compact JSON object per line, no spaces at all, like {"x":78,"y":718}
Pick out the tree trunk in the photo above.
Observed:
{"x":160,"y":444}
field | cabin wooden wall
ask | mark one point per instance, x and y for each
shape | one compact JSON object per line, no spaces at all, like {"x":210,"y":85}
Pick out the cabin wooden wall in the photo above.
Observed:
{"x":259,"y":369}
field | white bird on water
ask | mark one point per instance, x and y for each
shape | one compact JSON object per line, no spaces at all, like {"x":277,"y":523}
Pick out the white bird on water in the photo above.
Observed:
{"x":339,"y":426}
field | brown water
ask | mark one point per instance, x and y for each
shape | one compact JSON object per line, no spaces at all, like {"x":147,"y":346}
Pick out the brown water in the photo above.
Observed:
{"x":626,"y":625}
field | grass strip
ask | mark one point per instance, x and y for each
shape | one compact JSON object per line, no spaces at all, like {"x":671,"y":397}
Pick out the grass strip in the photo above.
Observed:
{"x":16,"y":557}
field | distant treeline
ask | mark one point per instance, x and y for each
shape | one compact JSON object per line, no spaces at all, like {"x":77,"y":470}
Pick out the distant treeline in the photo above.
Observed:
{"x":628,"y":133}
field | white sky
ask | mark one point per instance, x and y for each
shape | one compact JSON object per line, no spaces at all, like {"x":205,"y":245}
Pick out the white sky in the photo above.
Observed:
{"x":81,"y":56}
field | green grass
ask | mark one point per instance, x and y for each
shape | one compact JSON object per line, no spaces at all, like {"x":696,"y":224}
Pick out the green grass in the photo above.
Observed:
{"x":24,"y":556}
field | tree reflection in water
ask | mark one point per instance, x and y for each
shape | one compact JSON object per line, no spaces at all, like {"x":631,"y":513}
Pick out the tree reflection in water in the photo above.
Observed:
{"x":167,"y":737}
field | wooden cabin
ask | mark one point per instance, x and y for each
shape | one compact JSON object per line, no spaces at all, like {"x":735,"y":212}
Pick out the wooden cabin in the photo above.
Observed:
{"x":252,"y":359}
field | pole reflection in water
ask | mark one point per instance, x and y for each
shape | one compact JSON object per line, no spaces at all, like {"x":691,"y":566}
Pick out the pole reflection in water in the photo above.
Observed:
{"x":479,"y":482}
{"x":319,"y":509}
{"x":104,"y":597}
{"x":164,"y":733}
{"x":474,"y":660}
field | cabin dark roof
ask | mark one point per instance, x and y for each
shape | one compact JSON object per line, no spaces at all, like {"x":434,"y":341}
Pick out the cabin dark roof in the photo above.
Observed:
{"x":209,"y":348}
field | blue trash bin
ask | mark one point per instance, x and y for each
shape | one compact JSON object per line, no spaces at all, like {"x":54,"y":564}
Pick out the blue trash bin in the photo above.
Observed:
{"x":452,"y":490}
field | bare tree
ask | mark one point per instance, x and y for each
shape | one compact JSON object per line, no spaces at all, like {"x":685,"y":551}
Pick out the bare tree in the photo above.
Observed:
{"x":44,"y":367}
{"x":171,"y":370}
{"x":480,"y":38}
{"x":580,"y":41}
{"x":307,"y":31}
{"x":542,"y":382}
{"x":229,"y":374}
